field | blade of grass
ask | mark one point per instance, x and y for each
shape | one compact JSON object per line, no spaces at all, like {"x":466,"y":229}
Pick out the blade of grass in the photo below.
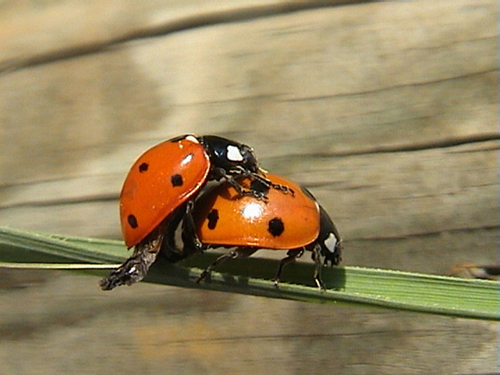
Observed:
{"x":479,"y":299}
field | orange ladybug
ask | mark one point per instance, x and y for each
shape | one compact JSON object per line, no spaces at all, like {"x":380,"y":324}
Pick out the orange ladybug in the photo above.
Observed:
{"x":223,"y":217}
{"x":160,"y":187}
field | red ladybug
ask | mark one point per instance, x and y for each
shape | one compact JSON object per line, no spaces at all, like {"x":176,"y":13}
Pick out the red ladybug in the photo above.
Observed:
{"x":223,"y":217}
{"x":161,"y":184}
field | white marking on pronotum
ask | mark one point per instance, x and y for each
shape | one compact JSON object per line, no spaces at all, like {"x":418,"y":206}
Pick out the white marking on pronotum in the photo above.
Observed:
{"x":192,"y":138}
{"x":331,"y":242}
{"x":234,"y":154}
{"x":252,"y":211}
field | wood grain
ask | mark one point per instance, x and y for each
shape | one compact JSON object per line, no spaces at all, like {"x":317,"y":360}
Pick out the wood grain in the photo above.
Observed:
{"x":386,"y":111}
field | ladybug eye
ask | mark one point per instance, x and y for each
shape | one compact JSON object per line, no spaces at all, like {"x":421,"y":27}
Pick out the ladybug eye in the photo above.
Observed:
{"x":250,"y":159}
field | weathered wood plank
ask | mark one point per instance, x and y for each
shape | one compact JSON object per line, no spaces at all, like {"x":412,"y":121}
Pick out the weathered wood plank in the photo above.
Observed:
{"x":65,"y":29}
{"x":346,"y":113}
{"x":148,"y":329}
{"x":432,"y":195}
{"x":387,"y":111}
{"x":321,"y":94}
{"x":346,"y":105}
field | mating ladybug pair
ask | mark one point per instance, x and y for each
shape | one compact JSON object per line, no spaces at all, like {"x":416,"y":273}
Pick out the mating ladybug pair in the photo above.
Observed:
{"x":248,"y":210}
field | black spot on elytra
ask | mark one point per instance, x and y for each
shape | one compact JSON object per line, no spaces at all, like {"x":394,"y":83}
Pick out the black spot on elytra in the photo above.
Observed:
{"x":213,"y":218}
{"x":276,"y":227}
{"x":143,"y":167}
{"x":176,"y":180}
{"x":132,"y":221}
{"x":259,"y":187}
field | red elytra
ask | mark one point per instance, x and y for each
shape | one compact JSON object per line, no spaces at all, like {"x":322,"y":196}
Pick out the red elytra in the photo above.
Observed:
{"x":161,"y":187}
{"x":284,"y":221}
{"x":163,"y":178}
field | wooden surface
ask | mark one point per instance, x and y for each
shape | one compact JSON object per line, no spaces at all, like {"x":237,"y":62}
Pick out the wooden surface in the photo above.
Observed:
{"x":386,"y":111}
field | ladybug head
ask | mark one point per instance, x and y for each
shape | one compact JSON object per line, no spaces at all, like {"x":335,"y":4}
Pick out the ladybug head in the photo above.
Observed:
{"x":230,"y":155}
{"x":329,"y":239}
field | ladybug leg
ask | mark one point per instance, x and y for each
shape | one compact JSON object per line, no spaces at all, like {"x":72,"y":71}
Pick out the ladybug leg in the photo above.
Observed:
{"x":220,"y":173}
{"x":216,"y":262}
{"x":319,"y":260}
{"x":188,"y":223}
{"x":283,"y":188}
{"x":261,"y":177}
{"x":291,"y":256}
{"x":246,"y":193}
{"x":266,"y":182}
{"x":190,"y":239}
{"x":239,"y":252}
{"x":169,"y":249}
{"x":136,"y":267}
{"x":240,"y":172}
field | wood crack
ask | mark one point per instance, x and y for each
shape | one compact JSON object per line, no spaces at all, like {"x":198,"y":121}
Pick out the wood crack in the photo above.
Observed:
{"x":388,"y":88}
{"x":416,"y":146}
{"x":171,"y":27}
{"x":425,"y":234}
{"x":65,"y":201}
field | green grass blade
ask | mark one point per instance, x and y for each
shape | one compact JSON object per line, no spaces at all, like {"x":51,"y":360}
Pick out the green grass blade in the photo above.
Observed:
{"x":479,"y":299}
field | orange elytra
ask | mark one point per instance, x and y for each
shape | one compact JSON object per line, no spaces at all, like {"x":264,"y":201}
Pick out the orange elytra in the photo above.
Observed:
{"x":283,"y":221}
{"x":161,"y":179}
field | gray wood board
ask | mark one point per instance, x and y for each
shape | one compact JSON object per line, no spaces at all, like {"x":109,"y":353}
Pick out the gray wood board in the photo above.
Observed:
{"x":386,"y":111}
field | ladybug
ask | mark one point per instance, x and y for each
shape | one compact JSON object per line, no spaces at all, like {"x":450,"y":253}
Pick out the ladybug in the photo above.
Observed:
{"x":224,"y":218}
{"x":160,"y":187}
